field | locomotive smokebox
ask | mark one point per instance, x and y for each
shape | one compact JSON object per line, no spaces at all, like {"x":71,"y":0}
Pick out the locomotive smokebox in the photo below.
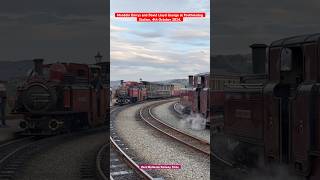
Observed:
{"x":190,"y":80}
{"x":259,"y":58}
{"x":38,"y":66}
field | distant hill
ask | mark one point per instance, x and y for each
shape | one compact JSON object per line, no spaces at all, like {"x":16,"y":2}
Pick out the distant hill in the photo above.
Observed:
{"x":184,"y":82}
{"x":232,"y":63}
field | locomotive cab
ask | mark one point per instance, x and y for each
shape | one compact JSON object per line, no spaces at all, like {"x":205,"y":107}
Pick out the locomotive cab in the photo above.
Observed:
{"x":294,"y":73}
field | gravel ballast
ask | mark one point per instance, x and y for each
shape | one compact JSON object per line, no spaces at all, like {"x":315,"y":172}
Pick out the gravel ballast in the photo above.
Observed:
{"x":164,"y":113}
{"x":155,"y":148}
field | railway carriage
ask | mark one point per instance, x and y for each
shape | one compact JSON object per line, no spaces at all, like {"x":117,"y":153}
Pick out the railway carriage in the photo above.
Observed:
{"x":158,"y":90}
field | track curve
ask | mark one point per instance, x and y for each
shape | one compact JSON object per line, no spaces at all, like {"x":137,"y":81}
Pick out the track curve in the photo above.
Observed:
{"x":122,"y":166}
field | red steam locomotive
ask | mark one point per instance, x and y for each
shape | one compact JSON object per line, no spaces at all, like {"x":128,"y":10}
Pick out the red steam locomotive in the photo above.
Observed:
{"x":130,"y":92}
{"x":276,"y":120}
{"x":195,"y":97}
{"x":61,"y":97}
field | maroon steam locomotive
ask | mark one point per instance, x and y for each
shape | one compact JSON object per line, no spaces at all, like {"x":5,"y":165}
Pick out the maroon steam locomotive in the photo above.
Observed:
{"x":130,"y":92}
{"x":61,"y":97}
{"x":276,"y":120}
{"x":195,"y":97}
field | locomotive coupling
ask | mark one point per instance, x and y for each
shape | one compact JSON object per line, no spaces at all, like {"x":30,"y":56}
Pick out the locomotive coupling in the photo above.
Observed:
{"x":54,"y":124}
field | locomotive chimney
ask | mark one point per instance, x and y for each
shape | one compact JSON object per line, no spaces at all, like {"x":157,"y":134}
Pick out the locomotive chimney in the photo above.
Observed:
{"x":38,"y":66}
{"x":190,"y":80}
{"x":259,"y":58}
{"x":203,"y":81}
{"x":121,"y":82}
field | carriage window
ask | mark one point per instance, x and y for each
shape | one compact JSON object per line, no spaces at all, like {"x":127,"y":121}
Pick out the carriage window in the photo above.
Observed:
{"x":286,"y":59}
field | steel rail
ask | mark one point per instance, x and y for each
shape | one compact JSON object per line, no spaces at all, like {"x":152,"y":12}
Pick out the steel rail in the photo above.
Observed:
{"x":101,"y":174}
{"x":185,"y":138}
{"x":143,"y":174}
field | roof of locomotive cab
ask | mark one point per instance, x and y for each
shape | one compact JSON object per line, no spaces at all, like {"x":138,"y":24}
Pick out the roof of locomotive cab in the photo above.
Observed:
{"x":295,"y":40}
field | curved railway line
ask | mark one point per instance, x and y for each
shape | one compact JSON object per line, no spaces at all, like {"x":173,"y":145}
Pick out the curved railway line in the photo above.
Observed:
{"x":182,"y":137}
{"x":175,"y":108}
{"x":220,"y":165}
{"x":16,"y":153}
{"x":11,"y":156}
{"x":122,"y":164}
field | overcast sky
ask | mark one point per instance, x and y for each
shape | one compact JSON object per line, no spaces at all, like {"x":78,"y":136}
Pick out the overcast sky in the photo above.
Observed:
{"x":159,"y":51}
{"x":239,"y":23}
{"x":56,"y":30}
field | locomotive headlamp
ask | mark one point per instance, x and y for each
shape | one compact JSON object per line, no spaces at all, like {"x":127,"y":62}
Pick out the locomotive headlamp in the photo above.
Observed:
{"x":98,"y":57}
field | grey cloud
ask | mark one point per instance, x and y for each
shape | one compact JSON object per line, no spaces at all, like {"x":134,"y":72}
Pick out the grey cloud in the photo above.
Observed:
{"x":60,"y":7}
{"x":239,"y":23}
{"x":42,"y":18}
{"x":55,"y":30}
{"x":148,"y":34}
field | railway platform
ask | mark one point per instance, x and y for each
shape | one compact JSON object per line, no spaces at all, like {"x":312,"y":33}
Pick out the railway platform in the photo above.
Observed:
{"x":8,"y":132}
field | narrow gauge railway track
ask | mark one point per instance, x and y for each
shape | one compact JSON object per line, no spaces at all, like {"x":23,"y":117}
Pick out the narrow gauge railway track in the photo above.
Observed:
{"x":221,"y":169}
{"x":14,"y":154}
{"x":122,"y":164}
{"x":182,"y":137}
{"x":175,"y":108}
{"x":175,"y":111}
{"x":11,"y":158}
{"x":187,"y":139}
